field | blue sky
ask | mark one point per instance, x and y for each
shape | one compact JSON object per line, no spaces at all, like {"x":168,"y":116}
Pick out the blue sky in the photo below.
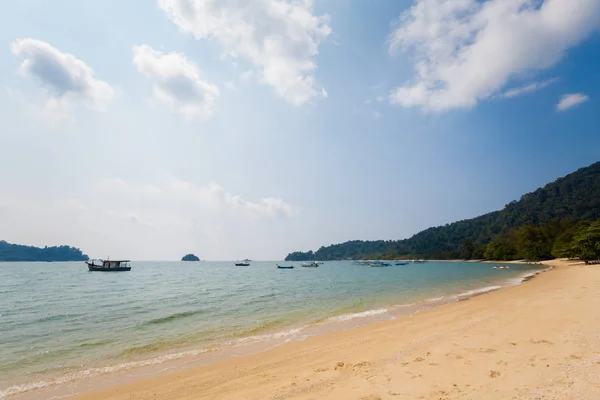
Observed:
{"x":236,"y":129}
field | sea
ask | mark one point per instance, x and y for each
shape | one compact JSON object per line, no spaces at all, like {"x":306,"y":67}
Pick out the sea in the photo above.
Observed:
{"x":64,"y":330}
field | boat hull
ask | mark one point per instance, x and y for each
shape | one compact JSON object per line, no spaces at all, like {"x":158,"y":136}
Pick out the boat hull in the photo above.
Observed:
{"x":102,"y":269}
{"x":282,"y":267}
{"x":242,"y":264}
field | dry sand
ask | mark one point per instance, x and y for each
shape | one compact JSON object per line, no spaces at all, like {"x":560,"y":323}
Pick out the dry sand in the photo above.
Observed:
{"x":539,"y":340}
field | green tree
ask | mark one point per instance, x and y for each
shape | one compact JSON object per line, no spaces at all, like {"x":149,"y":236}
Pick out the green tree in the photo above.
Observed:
{"x":586,"y":242}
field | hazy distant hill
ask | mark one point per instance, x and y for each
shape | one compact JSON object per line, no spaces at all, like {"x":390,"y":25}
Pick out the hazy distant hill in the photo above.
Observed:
{"x":575,"y":197}
{"x":17,"y":252}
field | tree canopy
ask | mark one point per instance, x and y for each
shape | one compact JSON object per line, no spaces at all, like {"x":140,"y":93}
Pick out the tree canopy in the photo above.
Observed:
{"x":17,"y":252}
{"x":535,"y":227}
{"x":190,"y":257}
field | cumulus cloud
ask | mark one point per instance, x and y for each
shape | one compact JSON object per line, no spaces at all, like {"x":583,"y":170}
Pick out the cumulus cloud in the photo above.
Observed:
{"x":465,"y":51}
{"x":190,"y":199}
{"x":532,"y":87}
{"x":216,"y":195}
{"x":67,"y":78}
{"x":177,"y":82}
{"x":571,"y":100}
{"x":279,"y":37}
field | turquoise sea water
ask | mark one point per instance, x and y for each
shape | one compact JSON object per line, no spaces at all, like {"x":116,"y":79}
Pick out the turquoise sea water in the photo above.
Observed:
{"x":60,"y":323}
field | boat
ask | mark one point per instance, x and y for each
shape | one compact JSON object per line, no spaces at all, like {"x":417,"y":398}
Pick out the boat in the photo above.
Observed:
{"x":242,"y":264}
{"x":401,"y":263}
{"x":310,"y":265}
{"x":108,"y":265}
{"x":379,"y":264}
{"x":285,"y":266}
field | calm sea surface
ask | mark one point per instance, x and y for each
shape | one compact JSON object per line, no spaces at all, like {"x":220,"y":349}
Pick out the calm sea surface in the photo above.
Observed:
{"x":60,"y":323}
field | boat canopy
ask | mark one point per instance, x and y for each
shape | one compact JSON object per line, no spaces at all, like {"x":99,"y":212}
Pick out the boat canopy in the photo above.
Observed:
{"x":114,"y":263}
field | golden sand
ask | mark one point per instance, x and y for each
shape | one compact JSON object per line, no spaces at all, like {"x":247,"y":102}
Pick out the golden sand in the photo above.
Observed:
{"x":539,"y":340}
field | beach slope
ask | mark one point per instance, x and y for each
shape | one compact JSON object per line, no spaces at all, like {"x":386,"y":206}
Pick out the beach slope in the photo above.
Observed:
{"x":539,"y":340}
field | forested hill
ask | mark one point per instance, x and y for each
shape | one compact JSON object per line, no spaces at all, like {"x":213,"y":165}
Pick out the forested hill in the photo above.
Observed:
{"x":17,"y":252}
{"x":564,"y":202}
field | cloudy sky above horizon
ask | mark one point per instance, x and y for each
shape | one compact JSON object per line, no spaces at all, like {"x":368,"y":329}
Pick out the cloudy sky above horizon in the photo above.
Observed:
{"x":253,"y":128}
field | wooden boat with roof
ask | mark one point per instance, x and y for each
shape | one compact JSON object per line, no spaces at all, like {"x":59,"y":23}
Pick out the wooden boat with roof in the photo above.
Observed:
{"x":108,"y":265}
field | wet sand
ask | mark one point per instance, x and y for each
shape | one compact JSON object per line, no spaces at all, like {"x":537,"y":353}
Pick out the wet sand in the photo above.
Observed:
{"x":538,"y":340}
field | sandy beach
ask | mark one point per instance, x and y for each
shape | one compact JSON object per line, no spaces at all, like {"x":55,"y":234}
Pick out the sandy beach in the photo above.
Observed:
{"x":538,"y":340}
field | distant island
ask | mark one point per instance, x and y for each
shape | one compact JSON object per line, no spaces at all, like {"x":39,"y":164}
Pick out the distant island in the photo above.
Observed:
{"x":190,"y":257}
{"x":554,"y":221}
{"x":17,"y":252}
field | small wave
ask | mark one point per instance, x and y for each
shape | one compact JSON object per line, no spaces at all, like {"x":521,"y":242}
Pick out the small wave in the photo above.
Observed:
{"x":277,"y":335}
{"x":263,"y":298}
{"x":347,"y":317}
{"x":525,"y":277}
{"x":172,"y":317}
{"x":434,"y":299}
{"x":92,"y":372}
{"x":262,"y":327}
{"x":474,"y":292}
{"x":95,"y":344}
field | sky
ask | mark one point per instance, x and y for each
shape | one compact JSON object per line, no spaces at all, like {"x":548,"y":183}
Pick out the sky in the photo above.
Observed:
{"x":238,"y":129}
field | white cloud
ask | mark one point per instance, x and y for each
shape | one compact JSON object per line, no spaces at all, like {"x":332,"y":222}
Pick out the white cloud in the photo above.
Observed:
{"x":229,"y":85}
{"x":571,"y":100}
{"x":467,"y":50}
{"x":177,"y":82}
{"x":67,"y":78}
{"x":217,"y":196}
{"x":189,"y":199}
{"x":281,"y":38}
{"x":532,"y":87}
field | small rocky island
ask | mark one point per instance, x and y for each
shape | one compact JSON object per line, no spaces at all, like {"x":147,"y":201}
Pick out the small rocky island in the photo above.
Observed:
{"x":190,"y":257}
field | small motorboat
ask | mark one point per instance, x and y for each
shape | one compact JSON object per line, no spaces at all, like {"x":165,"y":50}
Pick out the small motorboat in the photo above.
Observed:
{"x":108,"y":265}
{"x":401,"y":263}
{"x":242,"y":264}
{"x":310,"y":265}
{"x":379,"y":264}
{"x":285,"y":266}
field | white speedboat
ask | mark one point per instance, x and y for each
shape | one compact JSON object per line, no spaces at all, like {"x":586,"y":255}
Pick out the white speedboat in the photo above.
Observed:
{"x":310,"y":265}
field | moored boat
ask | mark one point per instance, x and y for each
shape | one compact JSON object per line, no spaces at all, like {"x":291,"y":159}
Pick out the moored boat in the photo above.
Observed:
{"x":310,"y":265}
{"x":242,"y":264}
{"x":379,"y":264}
{"x":109,"y":265}
{"x":285,"y":266}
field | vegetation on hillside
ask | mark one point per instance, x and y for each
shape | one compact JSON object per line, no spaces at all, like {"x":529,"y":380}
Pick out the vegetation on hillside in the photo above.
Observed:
{"x":534,"y":227}
{"x":190,"y":257}
{"x":17,"y":252}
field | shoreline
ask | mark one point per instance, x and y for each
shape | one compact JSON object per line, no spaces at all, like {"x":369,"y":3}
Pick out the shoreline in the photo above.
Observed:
{"x":173,"y":359}
{"x":511,"y":343}
{"x":217,"y":355}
